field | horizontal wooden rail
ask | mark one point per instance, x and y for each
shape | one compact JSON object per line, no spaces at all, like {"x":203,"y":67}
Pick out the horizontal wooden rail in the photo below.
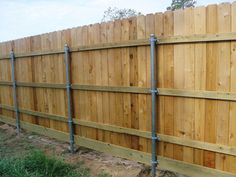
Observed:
{"x":36,"y":113}
{"x":113,"y":128}
{"x":7,"y":107}
{"x":62,"y":136}
{"x":201,"y":94}
{"x":6,"y":83}
{"x":198,"y":38}
{"x":103,"y":46}
{"x":166,"y":163}
{"x":135,"y":132}
{"x":111,"y":89}
{"x":41,"y":85}
{"x":43,"y":115}
{"x":34,"y":85}
{"x":164,"y":138}
{"x":34,"y":54}
{"x":215,"y":95}
{"x":135,"y":43}
{"x":121,"y":89}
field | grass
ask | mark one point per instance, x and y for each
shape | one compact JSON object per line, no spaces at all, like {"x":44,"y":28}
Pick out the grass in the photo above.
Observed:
{"x":37,"y":164}
{"x":104,"y":175}
{"x":19,"y":157}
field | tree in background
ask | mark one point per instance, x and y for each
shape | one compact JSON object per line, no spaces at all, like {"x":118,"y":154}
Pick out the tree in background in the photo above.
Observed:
{"x":112,"y":14}
{"x":181,"y":4}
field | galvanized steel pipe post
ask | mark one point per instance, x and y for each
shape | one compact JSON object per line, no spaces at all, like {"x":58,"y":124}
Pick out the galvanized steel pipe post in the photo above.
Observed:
{"x":12,"y":56}
{"x":154,"y":93}
{"x":68,"y":90}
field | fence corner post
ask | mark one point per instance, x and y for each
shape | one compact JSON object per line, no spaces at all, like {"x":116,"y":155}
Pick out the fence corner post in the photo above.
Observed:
{"x":15,"y":103}
{"x":68,"y":91}
{"x":154,"y":93}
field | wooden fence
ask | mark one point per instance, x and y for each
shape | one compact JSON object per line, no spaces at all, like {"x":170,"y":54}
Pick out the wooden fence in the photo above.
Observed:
{"x":110,"y":75}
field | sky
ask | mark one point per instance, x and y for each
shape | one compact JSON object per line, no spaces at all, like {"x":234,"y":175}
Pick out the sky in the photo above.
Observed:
{"x":22,"y":18}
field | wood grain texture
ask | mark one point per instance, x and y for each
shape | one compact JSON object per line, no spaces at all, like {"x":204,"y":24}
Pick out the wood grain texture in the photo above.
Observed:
{"x":211,"y":106}
{"x":199,"y":81}
{"x":159,"y":31}
{"x":223,"y":79}
{"x":134,"y":81}
{"x":110,"y":75}
{"x":142,"y":79}
{"x":179,"y":116}
{"x":125,"y":68}
{"x":5,"y":75}
{"x":230,"y":161}
{"x":189,"y":74}
{"x":168,"y":74}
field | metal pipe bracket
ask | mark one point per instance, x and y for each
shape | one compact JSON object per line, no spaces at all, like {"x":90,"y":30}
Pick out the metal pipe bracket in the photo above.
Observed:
{"x":155,"y":162}
{"x":68,"y":86}
{"x":156,"y":91}
{"x":14,"y":83}
{"x":153,"y":38}
{"x":70,"y":121}
{"x":156,"y":138}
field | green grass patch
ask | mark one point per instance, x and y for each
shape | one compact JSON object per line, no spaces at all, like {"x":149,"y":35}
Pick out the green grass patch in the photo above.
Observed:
{"x":104,"y":175}
{"x":37,"y":164}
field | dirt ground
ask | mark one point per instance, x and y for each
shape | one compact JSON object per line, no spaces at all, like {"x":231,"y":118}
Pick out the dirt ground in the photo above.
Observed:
{"x":12,"y":145}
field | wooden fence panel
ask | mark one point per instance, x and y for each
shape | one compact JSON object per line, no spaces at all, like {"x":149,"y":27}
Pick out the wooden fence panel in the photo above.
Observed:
{"x":77,"y":77}
{"x":223,"y":80}
{"x":194,"y":129}
{"x":179,"y":115}
{"x":134,"y":82}
{"x":211,"y":106}
{"x":231,"y":160}
{"x":168,"y":82}
{"x":126,"y":117}
{"x":200,"y":81}
{"x":6,"y":91}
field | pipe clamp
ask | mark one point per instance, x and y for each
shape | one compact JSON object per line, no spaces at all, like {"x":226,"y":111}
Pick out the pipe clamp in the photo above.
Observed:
{"x":68,"y":86}
{"x":70,"y":121}
{"x":157,"y":138}
{"x":156,"y":91}
{"x":155,"y":162}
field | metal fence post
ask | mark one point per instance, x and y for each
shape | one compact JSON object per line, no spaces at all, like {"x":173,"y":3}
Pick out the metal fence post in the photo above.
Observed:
{"x":154,"y":93}
{"x":12,"y":56}
{"x":68,"y":90}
